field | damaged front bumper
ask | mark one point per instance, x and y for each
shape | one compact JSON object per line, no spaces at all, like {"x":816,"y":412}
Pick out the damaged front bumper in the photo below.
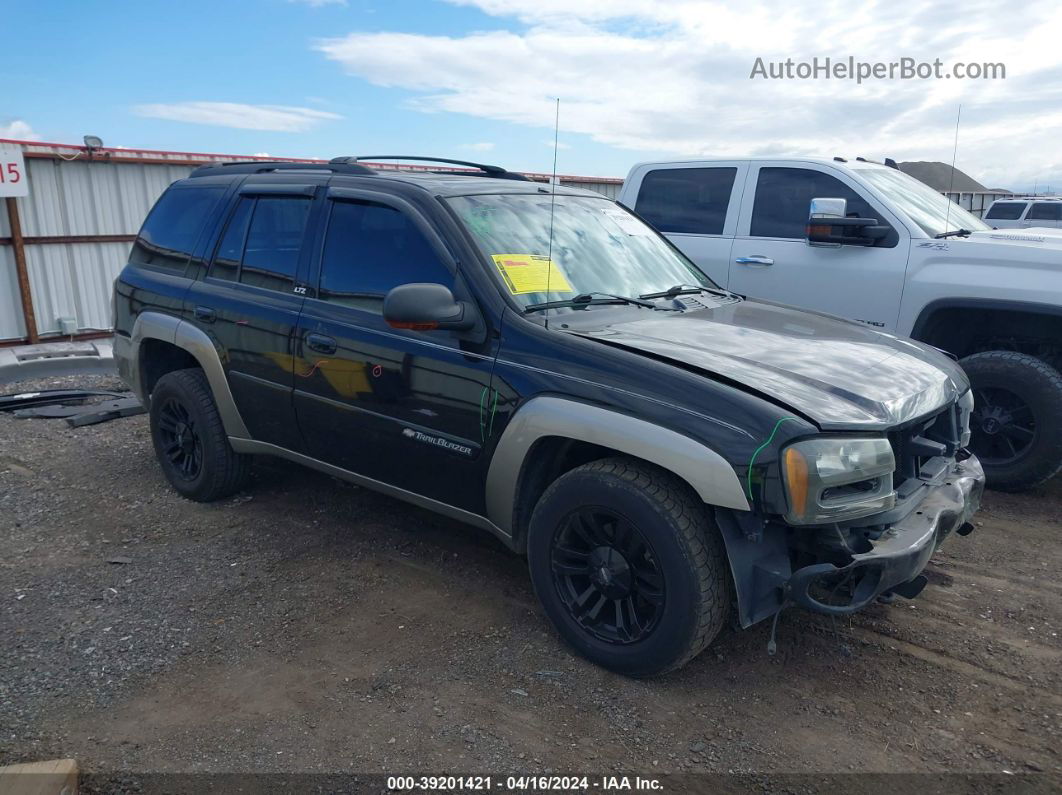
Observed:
{"x":892,"y":562}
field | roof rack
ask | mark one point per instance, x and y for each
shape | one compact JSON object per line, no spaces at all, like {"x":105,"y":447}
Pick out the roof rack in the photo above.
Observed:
{"x":262,"y":167}
{"x":496,"y":172}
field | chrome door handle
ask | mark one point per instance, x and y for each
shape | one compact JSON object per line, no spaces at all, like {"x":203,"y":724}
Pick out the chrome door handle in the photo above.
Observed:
{"x":755,"y":259}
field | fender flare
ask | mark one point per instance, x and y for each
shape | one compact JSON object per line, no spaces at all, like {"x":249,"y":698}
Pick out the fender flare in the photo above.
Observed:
{"x":180,"y":333}
{"x":710,"y":475}
{"x":1002,"y":305}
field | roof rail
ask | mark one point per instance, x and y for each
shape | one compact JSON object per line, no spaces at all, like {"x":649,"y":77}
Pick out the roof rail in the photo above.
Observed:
{"x":262,"y":167}
{"x":489,"y":171}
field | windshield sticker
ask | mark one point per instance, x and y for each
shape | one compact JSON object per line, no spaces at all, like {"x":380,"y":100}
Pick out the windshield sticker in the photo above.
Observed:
{"x":531,"y":273}
{"x":627,"y":223}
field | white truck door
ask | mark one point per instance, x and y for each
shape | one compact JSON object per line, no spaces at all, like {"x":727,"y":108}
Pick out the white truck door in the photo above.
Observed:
{"x":772,"y":259}
{"x":695,"y":205}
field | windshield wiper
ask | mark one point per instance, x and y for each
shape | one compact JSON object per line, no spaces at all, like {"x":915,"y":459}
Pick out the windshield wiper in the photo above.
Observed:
{"x":587,"y":299}
{"x":686,"y":289}
{"x":954,"y":233}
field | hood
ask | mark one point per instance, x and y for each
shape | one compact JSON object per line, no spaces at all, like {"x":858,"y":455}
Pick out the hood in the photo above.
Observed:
{"x":835,"y":372}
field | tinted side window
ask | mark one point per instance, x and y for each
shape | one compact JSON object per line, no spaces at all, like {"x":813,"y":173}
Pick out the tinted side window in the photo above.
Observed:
{"x":370,"y":248}
{"x":1005,"y":211}
{"x":230,"y":250}
{"x":1045,"y":211}
{"x":172,"y":228}
{"x":783,"y":200}
{"x":274,"y":240}
{"x":686,"y":200}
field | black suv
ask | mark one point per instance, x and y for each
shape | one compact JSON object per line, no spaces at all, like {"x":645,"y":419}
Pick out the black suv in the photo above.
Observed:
{"x":537,"y":361}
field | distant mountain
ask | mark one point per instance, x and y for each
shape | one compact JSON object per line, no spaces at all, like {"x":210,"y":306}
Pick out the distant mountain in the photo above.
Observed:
{"x":939,"y":177}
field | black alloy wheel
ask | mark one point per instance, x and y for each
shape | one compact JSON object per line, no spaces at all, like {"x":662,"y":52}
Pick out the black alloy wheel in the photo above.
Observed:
{"x":1002,"y":426}
{"x":607,"y":576}
{"x":181,"y":443}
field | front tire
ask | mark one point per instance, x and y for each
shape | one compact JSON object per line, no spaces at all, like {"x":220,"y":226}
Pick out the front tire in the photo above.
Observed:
{"x":1016,"y":427}
{"x":190,"y":441}
{"x":628,"y":566}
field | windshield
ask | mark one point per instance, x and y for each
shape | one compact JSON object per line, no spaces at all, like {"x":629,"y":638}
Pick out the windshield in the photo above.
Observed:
{"x":598,"y":247}
{"x":921,"y":203}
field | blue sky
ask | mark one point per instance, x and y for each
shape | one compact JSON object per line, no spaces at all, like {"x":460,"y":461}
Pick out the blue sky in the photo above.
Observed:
{"x":476,"y":78}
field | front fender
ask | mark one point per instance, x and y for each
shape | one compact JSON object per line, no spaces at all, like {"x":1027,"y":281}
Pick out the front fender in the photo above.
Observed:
{"x":710,"y":475}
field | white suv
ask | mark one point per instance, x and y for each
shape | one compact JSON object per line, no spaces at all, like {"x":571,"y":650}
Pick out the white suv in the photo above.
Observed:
{"x":1025,"y":213}
{"x":872,"y":244}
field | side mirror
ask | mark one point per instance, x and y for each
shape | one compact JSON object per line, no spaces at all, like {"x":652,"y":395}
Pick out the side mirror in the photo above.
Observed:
{"x":426,"y":307}
{"x":829,"y":225}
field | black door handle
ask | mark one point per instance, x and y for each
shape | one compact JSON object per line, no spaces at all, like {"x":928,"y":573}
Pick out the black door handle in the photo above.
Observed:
{"x":206,"y":314}
{"x":320,"y":343}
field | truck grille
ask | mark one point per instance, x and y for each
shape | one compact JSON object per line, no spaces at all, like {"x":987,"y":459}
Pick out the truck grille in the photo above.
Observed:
{"x":923,"y":447}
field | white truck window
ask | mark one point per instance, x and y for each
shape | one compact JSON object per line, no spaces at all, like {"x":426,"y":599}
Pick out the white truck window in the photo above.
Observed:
{"x":686,"y":200}
{"x":1005,"y":211}
{"x":783,"y":197}
{"x":1045,"y":211}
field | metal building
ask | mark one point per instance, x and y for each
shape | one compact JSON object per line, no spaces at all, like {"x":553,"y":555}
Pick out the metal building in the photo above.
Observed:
{"x":63,"y":244}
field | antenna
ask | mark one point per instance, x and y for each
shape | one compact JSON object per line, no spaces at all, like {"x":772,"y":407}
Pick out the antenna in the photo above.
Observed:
{"x":954,"y":153}
{"x":552,"y":199}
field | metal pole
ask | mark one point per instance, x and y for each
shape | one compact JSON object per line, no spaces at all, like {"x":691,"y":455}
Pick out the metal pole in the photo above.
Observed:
{"x":19,"y":247}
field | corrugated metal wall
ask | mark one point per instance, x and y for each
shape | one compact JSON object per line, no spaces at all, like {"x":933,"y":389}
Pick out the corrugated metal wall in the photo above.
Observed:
{"x":74,"y":196}
{"x":72,"y":199}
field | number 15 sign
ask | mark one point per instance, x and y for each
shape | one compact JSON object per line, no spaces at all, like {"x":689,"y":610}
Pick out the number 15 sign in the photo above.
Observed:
{"x":13,"y":180}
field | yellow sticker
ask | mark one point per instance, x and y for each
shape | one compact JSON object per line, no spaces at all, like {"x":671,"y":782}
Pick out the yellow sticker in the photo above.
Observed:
{"x":531,"y":273}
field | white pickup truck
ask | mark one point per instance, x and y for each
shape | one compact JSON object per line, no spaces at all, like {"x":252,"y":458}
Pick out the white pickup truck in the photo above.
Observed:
{"x":867,"y":242}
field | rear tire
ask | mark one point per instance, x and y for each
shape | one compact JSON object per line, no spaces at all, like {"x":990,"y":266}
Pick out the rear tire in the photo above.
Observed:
{"x":1016,"y":427}
{"x":190,"y":440}
{"x":628,"y":566}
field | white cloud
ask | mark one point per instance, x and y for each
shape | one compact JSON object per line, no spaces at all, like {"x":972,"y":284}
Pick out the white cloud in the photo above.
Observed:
{"x":484,"y":146}
{"x":277,"y":118}
{"x":18,"y":129}
{"x":560,"y":144}
{"x":674,"y":77}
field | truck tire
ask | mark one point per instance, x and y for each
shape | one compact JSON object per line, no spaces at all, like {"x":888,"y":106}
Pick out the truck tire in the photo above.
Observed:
{"x":1016,"y":427}
{"x":190,"y":441}
{"x":628,"y":566}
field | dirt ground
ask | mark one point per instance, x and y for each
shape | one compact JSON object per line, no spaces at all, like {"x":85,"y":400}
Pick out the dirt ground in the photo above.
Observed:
{"x":311,"y":626}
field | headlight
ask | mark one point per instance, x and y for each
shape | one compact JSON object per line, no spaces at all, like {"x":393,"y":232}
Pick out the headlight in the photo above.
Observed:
{"x":966,"y":405}
{"x":835,"y":479}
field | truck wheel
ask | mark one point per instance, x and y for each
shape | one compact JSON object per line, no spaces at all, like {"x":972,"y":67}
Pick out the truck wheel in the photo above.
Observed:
{"x":190,"y":441}
{"x":628,"y":566}
{"x":1016,"y":427}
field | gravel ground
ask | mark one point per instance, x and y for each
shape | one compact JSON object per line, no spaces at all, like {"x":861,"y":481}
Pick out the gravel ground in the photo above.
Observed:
{"x":311,"y":626}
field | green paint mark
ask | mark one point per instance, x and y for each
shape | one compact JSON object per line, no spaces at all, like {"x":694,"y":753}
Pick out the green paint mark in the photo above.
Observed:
{"x":493,"y":409}
{"x":748,"y":476}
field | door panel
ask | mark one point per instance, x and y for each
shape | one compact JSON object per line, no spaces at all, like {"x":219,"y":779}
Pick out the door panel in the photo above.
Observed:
{"x":771,"y":258}
{"x":248,"y":305}
{"x":408,"y":408}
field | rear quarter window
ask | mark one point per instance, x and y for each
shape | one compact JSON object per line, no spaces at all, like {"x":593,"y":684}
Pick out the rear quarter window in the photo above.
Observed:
{"x":686,"y":200}
{"x":1045,"y":211}
{"x":173,"y":226}
{"x":1005,"y":211}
